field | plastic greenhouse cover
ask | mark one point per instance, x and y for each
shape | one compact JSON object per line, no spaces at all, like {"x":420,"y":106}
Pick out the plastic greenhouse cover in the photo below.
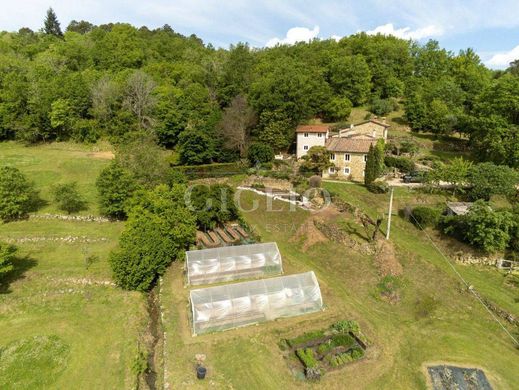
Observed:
{"x":233,"y":262}
{"x":229,"y":306}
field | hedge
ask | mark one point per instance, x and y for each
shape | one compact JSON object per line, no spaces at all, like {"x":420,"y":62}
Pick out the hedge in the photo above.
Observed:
{"x":403,"y":164}
{"x":211,"y":170}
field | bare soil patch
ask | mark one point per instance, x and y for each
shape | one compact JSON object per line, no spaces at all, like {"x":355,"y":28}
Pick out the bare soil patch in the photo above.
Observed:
{"x":107,"y":155}
{"x":386,"y":260}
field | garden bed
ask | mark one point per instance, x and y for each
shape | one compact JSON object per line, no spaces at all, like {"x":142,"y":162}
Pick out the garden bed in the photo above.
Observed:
{"x":315,"y":353}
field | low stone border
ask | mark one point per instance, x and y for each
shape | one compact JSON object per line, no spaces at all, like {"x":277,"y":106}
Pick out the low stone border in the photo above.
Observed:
{"x":79,"y":218}
{"x":66,"y":240}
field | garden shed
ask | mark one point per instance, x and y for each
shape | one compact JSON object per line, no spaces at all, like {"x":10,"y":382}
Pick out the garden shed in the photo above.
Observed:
{"x":233,"y":262}
{"x":233,"y":305}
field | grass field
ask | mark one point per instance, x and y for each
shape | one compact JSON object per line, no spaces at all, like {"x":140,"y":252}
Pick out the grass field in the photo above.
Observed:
{"x":436,"y":320}
{"x":62,"y":325}
{"x":55,"y":163}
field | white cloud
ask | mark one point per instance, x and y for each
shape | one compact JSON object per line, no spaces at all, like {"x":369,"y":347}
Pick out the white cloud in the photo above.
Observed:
{"x":295,"y":34}
{"x":406,"y":32}
{"x":503,"y":59}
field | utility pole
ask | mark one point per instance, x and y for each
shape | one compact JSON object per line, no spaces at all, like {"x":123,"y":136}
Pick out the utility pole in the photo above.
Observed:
{"x":389,"y":215}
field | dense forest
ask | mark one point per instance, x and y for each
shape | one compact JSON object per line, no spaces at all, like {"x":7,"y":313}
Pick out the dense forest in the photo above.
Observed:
{"x":114,"y":80}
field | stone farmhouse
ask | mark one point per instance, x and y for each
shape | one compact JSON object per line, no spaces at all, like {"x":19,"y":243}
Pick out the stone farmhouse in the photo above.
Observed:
{"x":348,"y":147}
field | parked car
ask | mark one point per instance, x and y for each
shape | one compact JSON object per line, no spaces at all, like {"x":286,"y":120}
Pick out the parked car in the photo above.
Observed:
{"x":414,"y":177}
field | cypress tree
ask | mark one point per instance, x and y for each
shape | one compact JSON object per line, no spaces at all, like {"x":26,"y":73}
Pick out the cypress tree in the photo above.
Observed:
{"x":370,"y":173}
{"x":51,"y":24}
{"x":374,"y":163}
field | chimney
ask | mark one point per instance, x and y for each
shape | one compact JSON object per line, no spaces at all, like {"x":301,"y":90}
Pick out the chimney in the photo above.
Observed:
{"x":384,"y":120}
{"x":352,"y":126}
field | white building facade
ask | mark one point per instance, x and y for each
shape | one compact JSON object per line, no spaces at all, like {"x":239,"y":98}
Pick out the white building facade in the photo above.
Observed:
{"x":310,"y":135}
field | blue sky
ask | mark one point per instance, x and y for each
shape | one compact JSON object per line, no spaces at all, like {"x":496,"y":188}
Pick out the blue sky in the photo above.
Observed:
{"x":491,"y":28}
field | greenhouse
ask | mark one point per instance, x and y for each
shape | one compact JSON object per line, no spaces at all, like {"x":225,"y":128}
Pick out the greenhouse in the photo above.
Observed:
{"x":239,"y":304}
{"x":233,"y":262}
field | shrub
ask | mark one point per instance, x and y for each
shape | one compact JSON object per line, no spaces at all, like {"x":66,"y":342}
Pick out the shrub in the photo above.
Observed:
{"x":260,"y":153}
{"x":403,"y":164}
{"x":68,"y":198}
{"x":378,"y":187}
{"x":17,"y":195}
{"x":383,"y":106}
{"x":7,"y":254}
{"x":482,"y":227}
{"x":315,"y":181}
{"x":423,"y":216}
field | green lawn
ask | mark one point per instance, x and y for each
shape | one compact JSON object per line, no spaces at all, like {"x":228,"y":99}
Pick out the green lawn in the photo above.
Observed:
{"x":62,"y":325}
{"x":50,"y":164}
{"x":435,"y":320}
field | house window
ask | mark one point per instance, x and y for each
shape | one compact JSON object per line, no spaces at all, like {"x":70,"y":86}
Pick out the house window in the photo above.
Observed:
{"x":331,"y":170}
{"x":305,"y":147}
{"x":332,"y":156}
{"x":320,"y":135}
{"x":347,"y":157}
{"x":365,"y":158}
{"x":306,"y":135}
{"x":347,"y":170}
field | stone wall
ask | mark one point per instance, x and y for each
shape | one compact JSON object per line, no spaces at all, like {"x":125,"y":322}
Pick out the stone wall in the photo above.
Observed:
{"x":268,"y":182}
{"x":356,"y":165}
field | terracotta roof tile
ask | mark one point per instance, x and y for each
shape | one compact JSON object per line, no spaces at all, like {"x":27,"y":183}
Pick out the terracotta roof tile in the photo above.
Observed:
{"x":312,"y":128}
{"x":355,"y":145}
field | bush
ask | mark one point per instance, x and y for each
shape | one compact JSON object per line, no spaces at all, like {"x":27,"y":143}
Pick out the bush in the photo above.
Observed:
{"x":315,"y":181}
{"x":403,"y":164}
{"x":378,"y":187}
{"x":383,"y":106}
{"x":68,"y":198}
{"x":7,"y":254}
{"x":260,"y":153}
{"x":423,"y":216}
{"x":17,"y":195}
{"x":482,"y":227}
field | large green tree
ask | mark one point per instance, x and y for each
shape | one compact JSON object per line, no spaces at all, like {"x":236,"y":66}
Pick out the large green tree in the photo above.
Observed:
{"x":488,"y":179}
{"x":158,"y":230}
{"x":51,"y":24}
{"x":115,"y":186}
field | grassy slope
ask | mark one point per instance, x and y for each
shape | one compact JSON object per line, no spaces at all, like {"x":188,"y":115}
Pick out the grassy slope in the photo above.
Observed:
{"x":54,"y":163}
{"x":456,"y":328}
{"x":48,"y":294}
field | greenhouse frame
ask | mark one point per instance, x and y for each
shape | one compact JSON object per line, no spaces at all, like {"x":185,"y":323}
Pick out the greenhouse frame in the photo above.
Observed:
{"x":233,"y":305}
{"x":233,"y":262}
